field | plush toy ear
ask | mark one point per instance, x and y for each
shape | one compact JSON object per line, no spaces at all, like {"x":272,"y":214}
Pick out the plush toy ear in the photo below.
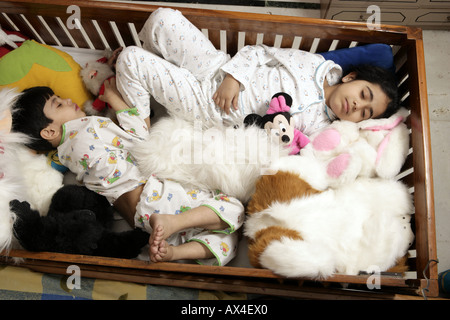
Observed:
{"x":392,"y":152}
{"x":287,"y":97}
{"x":253,"y":119}
{"x":278,"y":104}
{"x":392,"y":137}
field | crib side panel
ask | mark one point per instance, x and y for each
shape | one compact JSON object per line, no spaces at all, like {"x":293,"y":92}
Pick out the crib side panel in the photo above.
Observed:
{"x":425,"y":231}
{"x":111,"y":23}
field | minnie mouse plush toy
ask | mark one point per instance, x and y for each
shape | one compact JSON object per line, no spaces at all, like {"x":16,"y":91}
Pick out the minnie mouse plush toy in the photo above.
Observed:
{"x":278,"y":121}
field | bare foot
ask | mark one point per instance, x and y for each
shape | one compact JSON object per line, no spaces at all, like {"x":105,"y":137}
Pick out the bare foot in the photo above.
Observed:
{"x":164,"y":253}
{"x":162,"y":225}
{"x":155,"y":240}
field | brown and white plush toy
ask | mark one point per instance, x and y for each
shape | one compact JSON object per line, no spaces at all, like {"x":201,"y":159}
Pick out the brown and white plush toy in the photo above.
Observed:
{"x":297,"y":230}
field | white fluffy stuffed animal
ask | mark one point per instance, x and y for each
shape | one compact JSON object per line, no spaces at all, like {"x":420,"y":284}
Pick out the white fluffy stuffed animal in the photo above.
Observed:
{"x":23,"y":175}
{"x":218,"y":158}
{"x":371,"y":148}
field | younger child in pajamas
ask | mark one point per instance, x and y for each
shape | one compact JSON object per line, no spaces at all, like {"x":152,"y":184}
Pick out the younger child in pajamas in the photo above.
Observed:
{"x":184,"y":223}
{"x":180,"y":68}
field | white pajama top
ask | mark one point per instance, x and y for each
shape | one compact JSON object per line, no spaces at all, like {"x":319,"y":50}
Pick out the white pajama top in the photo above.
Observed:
{"x":96,"y":150}
{"x":264,"y":71}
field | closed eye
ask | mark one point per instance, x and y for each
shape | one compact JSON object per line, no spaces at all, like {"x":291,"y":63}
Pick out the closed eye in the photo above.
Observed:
{"x":367,"y":94}
{"x":367,"y":113}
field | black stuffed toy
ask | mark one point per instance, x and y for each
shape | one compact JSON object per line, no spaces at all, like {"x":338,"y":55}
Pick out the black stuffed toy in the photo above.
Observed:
{"x":78,"y":222}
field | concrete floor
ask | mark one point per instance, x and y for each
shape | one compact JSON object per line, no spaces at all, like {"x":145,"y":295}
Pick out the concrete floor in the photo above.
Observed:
{"x":437,"y":64}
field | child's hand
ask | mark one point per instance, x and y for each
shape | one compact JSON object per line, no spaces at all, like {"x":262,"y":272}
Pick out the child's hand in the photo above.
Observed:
{"x":112,"y":60}
{"x":112,"y":96}
{"x":227,"y":94}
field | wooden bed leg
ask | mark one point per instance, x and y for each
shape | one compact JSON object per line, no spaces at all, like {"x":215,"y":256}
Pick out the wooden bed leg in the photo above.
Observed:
{"x":429,"y":288}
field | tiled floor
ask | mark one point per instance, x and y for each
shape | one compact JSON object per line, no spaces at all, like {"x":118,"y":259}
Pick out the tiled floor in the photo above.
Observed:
{"x":437,"y":62}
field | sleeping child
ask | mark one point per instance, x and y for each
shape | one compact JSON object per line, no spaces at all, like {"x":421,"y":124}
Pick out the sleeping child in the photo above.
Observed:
{"x":183,"y":223}
{"x":181,"y":69}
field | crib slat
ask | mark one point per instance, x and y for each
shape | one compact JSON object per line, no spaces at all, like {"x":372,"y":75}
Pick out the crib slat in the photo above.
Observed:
{"x":58,"y":31}
{"x":403,"y":90}
{"x":214,"y":37}
{"x":5,"y":24}
{"x":402,"y":73}
{"x":78,"y":37}
{"x":22,"y":25}
{"x":41,"y":29}
{"x":108,"y":33}
{"x":95,"y":38}
{"x":125,"y":33}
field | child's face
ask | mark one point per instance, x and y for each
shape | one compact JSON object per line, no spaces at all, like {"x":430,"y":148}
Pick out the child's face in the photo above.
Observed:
{"x":62,"y":110}
{"x":357,"y":100}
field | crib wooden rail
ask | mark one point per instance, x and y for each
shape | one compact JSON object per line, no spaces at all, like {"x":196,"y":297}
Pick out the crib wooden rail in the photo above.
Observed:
{"x":232,"y":279}
{"x":112,"y":24}
{"x":104,"y":24}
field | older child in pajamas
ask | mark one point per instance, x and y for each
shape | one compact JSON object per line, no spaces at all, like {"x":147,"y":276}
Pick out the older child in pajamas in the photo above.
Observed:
{"x":184,"y":223}
{"x":181,"y":69}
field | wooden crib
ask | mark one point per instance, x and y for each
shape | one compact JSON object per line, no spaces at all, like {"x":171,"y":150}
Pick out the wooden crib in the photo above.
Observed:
{"x":108,"y":24}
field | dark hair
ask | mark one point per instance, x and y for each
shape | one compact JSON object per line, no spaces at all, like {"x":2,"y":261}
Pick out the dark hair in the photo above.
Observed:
{"x":28,"y":116}
{"x":385,"y":79}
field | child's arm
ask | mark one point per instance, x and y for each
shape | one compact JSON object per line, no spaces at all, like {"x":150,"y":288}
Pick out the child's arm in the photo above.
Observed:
{"x":240,"y":70}
{"x":113,"y":97}
{"x":129,"y":118}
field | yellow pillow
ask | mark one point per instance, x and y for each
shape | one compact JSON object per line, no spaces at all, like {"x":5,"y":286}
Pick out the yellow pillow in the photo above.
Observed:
{"x":34,"y":64}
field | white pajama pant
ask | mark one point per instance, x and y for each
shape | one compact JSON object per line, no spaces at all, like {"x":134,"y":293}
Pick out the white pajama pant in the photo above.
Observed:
{"x":169,"y":197}
{"x":178,"y":66}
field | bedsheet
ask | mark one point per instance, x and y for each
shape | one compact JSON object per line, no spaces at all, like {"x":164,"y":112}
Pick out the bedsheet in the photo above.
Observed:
{"x":18,"y":283}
